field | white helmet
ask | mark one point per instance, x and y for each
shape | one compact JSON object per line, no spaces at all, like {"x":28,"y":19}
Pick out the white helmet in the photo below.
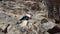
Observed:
{"x":29,"y":15}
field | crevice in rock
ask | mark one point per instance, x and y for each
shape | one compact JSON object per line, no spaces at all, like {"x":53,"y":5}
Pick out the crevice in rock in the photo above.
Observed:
{"x":5,"y":30}
{"x":54,"y":30}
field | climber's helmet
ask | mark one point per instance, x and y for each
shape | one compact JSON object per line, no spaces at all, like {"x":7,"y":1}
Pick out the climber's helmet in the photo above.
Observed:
{"x":29,"y":15}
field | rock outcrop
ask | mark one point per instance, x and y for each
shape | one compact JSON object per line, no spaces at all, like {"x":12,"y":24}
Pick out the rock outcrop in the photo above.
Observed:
{"x":12,"y":11}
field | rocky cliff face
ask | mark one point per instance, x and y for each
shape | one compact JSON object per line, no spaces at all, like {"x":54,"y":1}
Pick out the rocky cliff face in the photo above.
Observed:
{"x":12,"y":11}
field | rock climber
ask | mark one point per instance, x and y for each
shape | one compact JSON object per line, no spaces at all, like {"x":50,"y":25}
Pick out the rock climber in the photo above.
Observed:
{"x":25,"y":19}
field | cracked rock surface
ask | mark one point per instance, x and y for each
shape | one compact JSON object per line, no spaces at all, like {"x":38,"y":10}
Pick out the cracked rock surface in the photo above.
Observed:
{"x":12,"y":11}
